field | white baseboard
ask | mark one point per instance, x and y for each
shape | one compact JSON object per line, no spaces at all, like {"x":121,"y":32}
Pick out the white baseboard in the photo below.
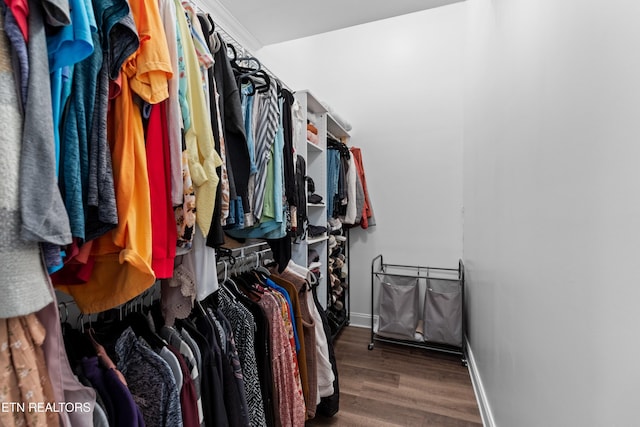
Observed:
{"x":360,"y":320}
{"x":478,"y":388}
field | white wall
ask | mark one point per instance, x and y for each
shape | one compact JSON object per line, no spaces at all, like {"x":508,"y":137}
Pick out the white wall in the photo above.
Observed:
{"x":399,"y":83}
{"x":552,"y":209}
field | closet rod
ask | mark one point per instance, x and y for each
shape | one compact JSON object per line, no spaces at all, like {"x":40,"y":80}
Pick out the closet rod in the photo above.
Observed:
{"x":240,"y":263}
{"x":250,"y":247}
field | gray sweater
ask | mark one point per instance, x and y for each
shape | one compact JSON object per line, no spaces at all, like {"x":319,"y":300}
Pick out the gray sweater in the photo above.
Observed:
{"x":44,"y":217}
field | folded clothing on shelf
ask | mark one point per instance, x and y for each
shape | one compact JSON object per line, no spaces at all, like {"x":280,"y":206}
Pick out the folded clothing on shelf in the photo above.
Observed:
{"x":314,"y":199}
{"x":316,"y":230}
{"x":311,"y":128}
{"x":312,"y":137}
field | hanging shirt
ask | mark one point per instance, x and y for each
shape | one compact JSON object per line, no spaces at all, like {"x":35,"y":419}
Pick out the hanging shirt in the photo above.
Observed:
{"x":171,"y":359}
{"x":224,"y":176}
{"x":121,"y":409}
{"x":150,"y":67}
{"x":75,"y":141}
{"x":230,"y":355}
{"x":164,"y":234}
{"x":119,"y":41}
{"x":288,"y":324}
{"x":71,"y":45}
{"x":167,"y":10}
{"x":291,"y":409}
{"x":73,"y":42}
{"x":242,"y":323}
{"x":185,"y":213}
{"x":333,"y":176}
{"x":233,"y":130}
{"x":44,"y":217}
{"x":150,"y":380}
{"x":119,"y":33}
{"x":178,"y":341}
{"x":367,"y":212}
{"x":288,"y":307}
{"x":102,"y":213}
{"x":188,"y":395}
{"x":19,"y":10}
{"x":203,"y":159}
{"x":24,"y":286}
{"x":19,"y":45}
{"x":296,"y":286}
{"x":24,"y":373}
{"x":201,"y":262}
{"x":267,"y":127}
{"x":205,"y":59}
{"x":350,"y":215}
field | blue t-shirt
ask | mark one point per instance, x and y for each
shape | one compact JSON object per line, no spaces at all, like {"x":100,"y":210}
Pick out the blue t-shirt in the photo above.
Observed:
{"x":73,"y":43}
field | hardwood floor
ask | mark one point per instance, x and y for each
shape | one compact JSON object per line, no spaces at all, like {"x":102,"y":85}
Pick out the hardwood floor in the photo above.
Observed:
{"x":393,"y":385}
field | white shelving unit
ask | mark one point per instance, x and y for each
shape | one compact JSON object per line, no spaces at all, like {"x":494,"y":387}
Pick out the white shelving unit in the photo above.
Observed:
{"x":316,"y":159}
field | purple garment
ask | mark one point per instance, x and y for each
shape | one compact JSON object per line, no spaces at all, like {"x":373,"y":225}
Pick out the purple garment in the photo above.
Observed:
{"x":20,"y":51}
{"x":121,"y":409}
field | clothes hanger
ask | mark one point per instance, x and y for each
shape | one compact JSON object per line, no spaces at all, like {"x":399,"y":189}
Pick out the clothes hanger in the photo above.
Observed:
{"x":231,"y":289}
{"x":138,"y":322}
{"x":251,"y":83}
{"x":213,"y":25}
{"x":233,"y":50}
{"x":267,"y":81}
{"x":248,"y":286}
{"x":263,"y":268}
{"x":75,"y":343}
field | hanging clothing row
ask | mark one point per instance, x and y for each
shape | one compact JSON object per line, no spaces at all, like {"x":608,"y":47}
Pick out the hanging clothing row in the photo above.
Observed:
{"x":347,"y":194}
{"x":161,"y":142}
{"x":133,"y":143}
{"x":254,"y":353}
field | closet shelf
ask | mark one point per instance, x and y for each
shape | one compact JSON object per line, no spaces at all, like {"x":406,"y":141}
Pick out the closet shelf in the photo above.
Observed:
{"x":314,"y":147}
{"x":316,"y":240}
{"x":335,"y":128}
{"x":313,"y":104}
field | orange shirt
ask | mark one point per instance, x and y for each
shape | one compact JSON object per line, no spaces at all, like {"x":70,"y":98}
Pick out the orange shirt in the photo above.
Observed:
{"x":150,"y":67}
{"x":122,"y":267}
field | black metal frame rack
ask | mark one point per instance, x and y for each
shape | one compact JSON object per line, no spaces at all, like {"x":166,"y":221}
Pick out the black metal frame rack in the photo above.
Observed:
{"x":419,"y":272}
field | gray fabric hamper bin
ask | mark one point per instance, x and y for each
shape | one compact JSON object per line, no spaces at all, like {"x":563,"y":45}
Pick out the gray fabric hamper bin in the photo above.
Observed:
{"x":443,"y":312}
{"x":399,"y":310}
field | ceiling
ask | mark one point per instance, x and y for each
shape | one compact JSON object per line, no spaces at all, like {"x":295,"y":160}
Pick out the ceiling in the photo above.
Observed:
{"x":257,"y":23}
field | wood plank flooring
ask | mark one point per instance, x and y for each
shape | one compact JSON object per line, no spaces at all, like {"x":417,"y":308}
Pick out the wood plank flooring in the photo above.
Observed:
{"x":393,"y":385}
